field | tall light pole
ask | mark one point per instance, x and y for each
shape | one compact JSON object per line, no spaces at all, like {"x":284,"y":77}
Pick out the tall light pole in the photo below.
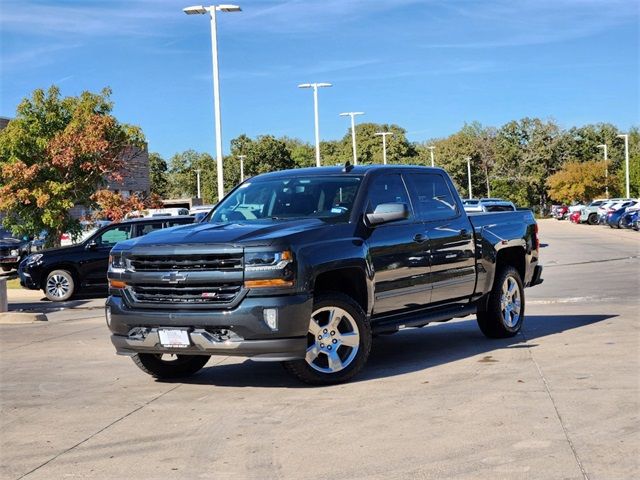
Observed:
{"x":315,"y":87}
{"x":242,"y":157}
{"x":606,"y":169}
{"x":384,"y":144}
{"x":198,"y":181}
{"x":626,"y":161}
{"x":353,"y":132}
{"x":432,"y":148}
{"x":469,"y":174}
{"x":211,"y":10}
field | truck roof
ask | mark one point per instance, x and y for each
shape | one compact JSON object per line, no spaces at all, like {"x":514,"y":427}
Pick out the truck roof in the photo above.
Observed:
{"x":340,"y":169}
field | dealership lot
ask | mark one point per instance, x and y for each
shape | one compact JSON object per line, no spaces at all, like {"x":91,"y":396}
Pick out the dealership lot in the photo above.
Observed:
{"x":560,"y":401}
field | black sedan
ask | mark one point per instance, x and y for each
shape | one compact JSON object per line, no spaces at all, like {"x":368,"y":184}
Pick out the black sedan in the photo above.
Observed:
{"x":62,"y":272}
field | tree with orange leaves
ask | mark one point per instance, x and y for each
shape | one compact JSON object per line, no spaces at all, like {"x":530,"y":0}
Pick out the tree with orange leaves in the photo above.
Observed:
{"x":55,"y":154}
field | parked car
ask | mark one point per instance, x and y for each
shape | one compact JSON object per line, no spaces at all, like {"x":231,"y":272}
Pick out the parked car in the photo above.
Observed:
{"x":12,"y":250}
{"x":589,"y":213}
{"x":561,"y":212}
{"x":489,"y":205}
{"x":615,"y":207}
{"x":614,"y":218}
{"x":304,"y":266}
{"x":62,"y":272}
{"x":575,"y":217}
{"x":630,"y":216}
{"x":609,"y":206}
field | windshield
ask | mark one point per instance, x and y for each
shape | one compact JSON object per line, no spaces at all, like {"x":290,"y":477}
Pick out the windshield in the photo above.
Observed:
{"x":327,"y":198}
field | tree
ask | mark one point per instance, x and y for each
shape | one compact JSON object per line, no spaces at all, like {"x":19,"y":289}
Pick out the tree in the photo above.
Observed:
{"x":264,"y":154}
{"x":577,"y":181}
{"x":54,"y":154}
{"x":182,"y":177}
{"x":158,"y":175}
{"x":115,"y":207}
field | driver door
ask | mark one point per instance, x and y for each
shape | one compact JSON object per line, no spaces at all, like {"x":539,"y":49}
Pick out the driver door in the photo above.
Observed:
{"x":97,"y":250}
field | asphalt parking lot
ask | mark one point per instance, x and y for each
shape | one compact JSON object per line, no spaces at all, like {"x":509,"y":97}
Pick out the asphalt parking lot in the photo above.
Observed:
{"x":560,"y":401}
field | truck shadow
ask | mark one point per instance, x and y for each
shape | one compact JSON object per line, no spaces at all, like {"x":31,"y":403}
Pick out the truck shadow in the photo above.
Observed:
{"x":405,"y":352}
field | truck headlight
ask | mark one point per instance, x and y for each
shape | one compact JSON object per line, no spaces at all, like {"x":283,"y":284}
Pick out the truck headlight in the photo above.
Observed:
{"x":117,"y":263}
{"x":268,"y":269}
{"x":14,"y":253}
{"x":263,"y":261}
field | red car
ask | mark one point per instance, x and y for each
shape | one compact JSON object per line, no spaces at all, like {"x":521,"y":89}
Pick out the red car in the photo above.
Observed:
{"x":575,"y":217}
{"x":561,"y":212}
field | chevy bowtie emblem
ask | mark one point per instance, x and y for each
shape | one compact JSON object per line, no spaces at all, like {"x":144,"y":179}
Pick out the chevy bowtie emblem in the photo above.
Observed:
{"x":174,"y":277}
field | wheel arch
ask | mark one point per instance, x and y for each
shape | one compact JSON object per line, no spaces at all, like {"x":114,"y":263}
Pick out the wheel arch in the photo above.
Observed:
{"x":350,"y":280}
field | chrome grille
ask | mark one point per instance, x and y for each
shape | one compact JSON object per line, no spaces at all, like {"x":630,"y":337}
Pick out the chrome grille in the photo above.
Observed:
{"x":185,"y":294}
{"x":224,"y":262}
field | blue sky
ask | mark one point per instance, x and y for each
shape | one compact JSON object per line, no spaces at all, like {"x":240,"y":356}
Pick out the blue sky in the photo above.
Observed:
{"x":426,"y":65}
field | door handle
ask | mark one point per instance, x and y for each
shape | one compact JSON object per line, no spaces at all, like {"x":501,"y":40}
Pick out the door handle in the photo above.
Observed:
{"x":464,"y":232}
{"x":419,"y":238}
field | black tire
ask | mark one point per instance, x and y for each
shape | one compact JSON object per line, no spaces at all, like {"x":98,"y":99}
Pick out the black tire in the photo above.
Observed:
{"x":491,"y":320}
{"x":6,"y":269}
{"x":59,"y":286}
{"x":592,"y":219}
{"x":180,"y":366}
{"x":309,"y":371}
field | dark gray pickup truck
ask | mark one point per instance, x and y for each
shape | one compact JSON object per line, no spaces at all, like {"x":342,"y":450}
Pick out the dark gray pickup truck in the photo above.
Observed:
{"x":305,"y":266}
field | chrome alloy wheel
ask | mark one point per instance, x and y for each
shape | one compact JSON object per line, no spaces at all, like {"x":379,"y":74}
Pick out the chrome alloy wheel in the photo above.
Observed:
{"x":333,"y":340}
{"x":58,"y":286}
{"x":510,"y":302}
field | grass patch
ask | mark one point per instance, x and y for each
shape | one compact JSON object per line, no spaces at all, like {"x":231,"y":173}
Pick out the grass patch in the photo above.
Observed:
{"x":13,"y":283}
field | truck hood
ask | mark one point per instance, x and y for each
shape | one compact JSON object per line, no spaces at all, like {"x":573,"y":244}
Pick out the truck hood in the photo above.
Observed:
{"x":237,"y":233}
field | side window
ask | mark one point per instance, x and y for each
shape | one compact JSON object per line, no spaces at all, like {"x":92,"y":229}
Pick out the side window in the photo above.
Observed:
{"x":114,"y":235}
{"x":175,"y":223}
{"x":148,"y":228}
{"x":432,"y":197}
{"x":388,"y":188}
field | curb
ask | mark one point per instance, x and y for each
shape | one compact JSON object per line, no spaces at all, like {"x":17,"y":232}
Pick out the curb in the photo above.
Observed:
{"x":11,"y":318}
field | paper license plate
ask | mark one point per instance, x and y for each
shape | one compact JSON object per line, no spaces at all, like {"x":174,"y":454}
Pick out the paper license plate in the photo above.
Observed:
{"x":174,"y":338}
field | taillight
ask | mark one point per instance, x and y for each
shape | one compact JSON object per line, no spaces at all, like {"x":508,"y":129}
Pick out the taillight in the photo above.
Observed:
{"x":536,"y":240}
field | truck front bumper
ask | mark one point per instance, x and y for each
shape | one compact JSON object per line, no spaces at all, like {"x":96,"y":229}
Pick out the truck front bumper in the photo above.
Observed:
{"x":241,"y":331}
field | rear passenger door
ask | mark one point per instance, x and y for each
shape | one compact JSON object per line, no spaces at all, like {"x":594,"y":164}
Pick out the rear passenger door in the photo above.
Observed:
{"x":450,"y":236}
{"x":397,"y":251}
{"x":144,"y":228}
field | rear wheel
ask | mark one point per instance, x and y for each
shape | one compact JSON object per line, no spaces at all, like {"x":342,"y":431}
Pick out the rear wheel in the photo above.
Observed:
{"x":593,"y":219}
{"x":59,"y":286}
{"x":338,"y":341}
{"x":504,"y":313}
{"x":169,"y":366}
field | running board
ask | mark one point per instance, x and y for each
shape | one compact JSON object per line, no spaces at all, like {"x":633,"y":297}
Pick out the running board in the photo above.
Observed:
{"x":421,"y":318}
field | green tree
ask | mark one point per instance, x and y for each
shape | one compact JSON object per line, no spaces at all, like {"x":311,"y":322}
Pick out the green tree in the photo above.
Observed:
{"x":634,"y":164}
{"x":158,"y":175}
{"x":55,"y":154}
{"x":183,"y":179}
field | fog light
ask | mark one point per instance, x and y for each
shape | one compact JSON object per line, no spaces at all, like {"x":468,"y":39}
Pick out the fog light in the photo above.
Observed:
{"x":271,"y":318}
{"x":107,"y":313}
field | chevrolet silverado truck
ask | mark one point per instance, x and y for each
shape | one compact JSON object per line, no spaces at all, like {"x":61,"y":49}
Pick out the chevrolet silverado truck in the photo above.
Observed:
{"x":305,"y":266}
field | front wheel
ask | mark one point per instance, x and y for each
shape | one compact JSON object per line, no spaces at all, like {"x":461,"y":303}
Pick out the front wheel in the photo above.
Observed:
{"x":504,"y":313}
{"x":338,"y":342}
{"x":169,"y":366}
{"x":59,"y":286}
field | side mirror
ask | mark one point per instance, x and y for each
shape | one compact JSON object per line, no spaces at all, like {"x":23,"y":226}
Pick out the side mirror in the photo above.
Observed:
{"x":388,"y":212}
{"x":92,"y":245}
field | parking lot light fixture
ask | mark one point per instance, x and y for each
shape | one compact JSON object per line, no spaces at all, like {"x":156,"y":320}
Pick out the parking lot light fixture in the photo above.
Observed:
{"x":241,"y":158}
{"x":315,"y":87}
{"x":606,"y":169}
{"x":625,"y":136}
{"x":353,"y":132}
{"x":469,"y":175}
{"x":211,"y":10}
{"x":384,"y":144}
{"x":432,"y":148}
